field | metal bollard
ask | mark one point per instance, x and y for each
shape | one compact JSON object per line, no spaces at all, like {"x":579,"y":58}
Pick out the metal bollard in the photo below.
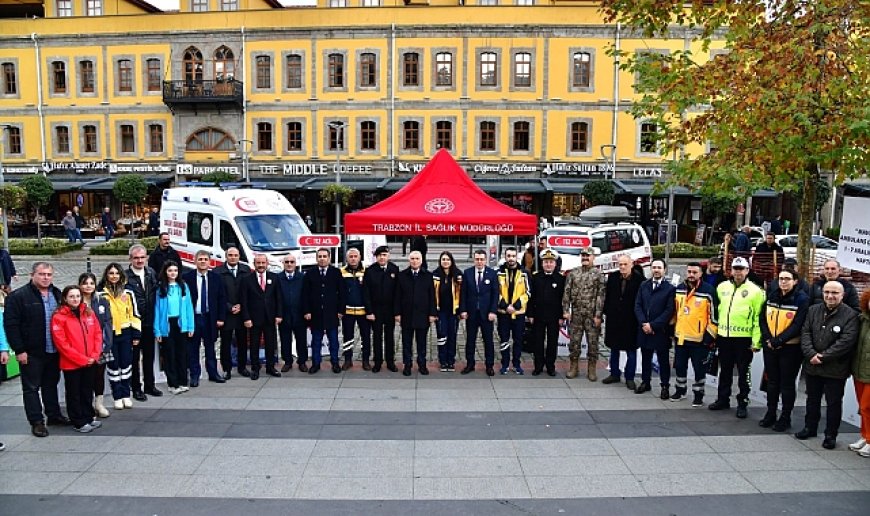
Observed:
{"x":88,"y":264}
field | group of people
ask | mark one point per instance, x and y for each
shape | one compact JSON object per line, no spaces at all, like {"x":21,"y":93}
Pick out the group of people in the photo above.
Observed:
{"x":73,"y":222}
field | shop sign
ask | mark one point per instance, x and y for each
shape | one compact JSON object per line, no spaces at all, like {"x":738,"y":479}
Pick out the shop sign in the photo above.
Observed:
{"x":647,"y":172}
{"x":140,"y":168}
{"x":410,"y":167}
{"x":504,"y":169}
{"x":577,"y":169}
{"x":22,"y":169}
{"x":189,"y":169}
{"x":315,"y":169}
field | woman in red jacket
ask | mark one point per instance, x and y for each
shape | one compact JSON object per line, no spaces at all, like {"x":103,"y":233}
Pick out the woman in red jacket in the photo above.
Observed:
{"x":79,"y":340}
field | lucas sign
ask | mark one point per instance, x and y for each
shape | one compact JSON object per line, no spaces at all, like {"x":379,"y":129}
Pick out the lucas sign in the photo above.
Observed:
{"x":854,"y":250}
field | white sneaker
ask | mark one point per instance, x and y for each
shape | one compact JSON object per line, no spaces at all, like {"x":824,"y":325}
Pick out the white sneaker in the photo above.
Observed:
{"x":128,"y":402}
{"x":865,"y":451}
{"x":84,"y":429}
{"x":184,"y":388}
{"x":857,"y":445}
{"x":174,"y":390}
{"x":119,"y":405}
{"x":96,"y":423}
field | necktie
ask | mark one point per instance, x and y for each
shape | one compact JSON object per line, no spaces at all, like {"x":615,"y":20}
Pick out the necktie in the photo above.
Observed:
{"x":323,"y":272}
{"x":290,"y":276}
{"x":203,"y":299}
{"x":233,"y":270}
{"x":263,"y":280}
{"x":415,"y":274}
{"x":655,"y":285}
{"x":479,"y":279}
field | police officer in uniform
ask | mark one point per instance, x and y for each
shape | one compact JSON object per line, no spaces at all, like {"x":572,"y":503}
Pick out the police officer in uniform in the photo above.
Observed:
{"x":545,"y":312}
{"x":379,"y":287}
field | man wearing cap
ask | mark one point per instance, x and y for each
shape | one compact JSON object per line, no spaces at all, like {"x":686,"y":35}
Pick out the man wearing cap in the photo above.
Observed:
{"x":355,"y":311}
{"x":583,"y":304}
{"x":379,"y":288}
{"x":545,"y":312}
{"x":513,"y":296}
{"x":831,"y":272}
{"x":739,"y":334}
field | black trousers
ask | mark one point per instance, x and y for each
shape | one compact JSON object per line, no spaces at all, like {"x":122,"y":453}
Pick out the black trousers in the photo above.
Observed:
{"x":99,"y":379}
{"x":39,"y":378}
{"x":782,"y":367}
{"x":270,"y":336}
{"x":734,"y":351}
{"x":289,"y":334}
{"x":545,"y":355}
{"x":833,"y":389}
{"x":409,"y":335}
{"x":384,"y":339}
{"x":240,"y":335}
{"x":175,"y":354}
{"x":144,"y":352}
{"x":79,"y":386}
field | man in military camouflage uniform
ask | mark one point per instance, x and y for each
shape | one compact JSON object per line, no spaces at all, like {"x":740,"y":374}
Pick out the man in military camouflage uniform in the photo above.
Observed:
{"x":582,"y":304}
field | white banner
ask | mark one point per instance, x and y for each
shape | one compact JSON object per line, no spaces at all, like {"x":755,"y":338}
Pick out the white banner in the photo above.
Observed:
{"x":854,"y":250}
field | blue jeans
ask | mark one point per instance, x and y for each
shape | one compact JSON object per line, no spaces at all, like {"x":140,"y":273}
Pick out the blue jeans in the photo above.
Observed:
{"x":317,"y":342}
{"x":110,"y":231}
{"x":70,"y":235}
{"x":446,"y":328}
{"x":506,"y":328}
{"x":630,"y":364}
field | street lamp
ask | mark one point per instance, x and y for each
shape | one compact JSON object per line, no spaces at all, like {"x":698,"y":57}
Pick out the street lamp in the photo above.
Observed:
{"x":608,"y":153}
{"x":338,"y":127}
{"x":244,"y":150}
{"x":3,"y":133}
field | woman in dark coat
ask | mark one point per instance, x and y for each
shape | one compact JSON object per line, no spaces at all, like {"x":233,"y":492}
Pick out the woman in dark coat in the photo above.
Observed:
{"x":621,"y":326}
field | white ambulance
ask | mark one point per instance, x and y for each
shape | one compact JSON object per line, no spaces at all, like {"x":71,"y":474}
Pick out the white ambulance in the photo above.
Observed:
{"x":217,"y":218}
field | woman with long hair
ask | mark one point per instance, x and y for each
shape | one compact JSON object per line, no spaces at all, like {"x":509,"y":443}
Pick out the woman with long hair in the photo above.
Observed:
{"x":88,"y":286}
{"x":78,"y":338}
{"x":173,"y":325}
{"x":448,"y":284}
{"x":861,"y":378}
{"x":126,"y":331}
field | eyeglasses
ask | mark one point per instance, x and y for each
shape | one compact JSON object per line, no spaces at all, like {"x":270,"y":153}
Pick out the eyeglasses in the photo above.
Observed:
{"x":289,"y":261}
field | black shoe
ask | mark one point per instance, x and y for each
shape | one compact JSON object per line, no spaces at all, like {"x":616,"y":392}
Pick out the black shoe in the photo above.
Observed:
{"x":741,"y":412}
{"x":139,"y":396}
{"x":610,"y":379}
{"x":287,"y":367}
{"x":367,"y":366}
{"x":805,"y":434}
{"x":376,"y":368}
{"x":59,"y":421}
{"x":392,"y":367}
{"x":423,"y":370}
{"x":782,"y":424}
{"x":39,"y":430}
{"x":630,"y":385}
{"x":272,"y":372}
{"x":255,"y":375}
{"x":194,"y":383}
{"x":245,"y":373}
{"x":642,"y":388}
{"x":314,"y":368}
{"x":490,"y":371}
{"x":537,"y":372}
{"x":336,"y":368}
{"x":768,"y":420}
{"x":406,"y":371}
{"x":347,"y":366}
{"x":830,"y":442}
{"x":551,"y":372}
{"x":468,"y":369}
{"x":217,"y":379}
{"x":302,"y":368}
{"x":719,"y":405}
{"x":227,"y":376}
{"x":154,"y":391}
{"x":665,"y":394}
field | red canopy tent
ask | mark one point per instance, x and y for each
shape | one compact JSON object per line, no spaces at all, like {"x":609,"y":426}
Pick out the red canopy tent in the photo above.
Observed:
{"x":440,"y":200}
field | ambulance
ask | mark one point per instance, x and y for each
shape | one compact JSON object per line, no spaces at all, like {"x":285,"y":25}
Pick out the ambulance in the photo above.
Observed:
{"x":214,"y":219}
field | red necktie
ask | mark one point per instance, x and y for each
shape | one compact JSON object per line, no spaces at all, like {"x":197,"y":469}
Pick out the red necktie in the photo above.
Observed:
{"x":263,"y":281}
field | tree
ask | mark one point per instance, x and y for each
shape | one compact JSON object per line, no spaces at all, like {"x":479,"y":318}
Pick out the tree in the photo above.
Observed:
{"x":11,"y":198}
{"x":39,"y":191}
{"x":131,"y":190}
{"x":218,"y":178}
{"x":784,"y":103}
{"x":336,"y":193}
{"x":599,"y":192}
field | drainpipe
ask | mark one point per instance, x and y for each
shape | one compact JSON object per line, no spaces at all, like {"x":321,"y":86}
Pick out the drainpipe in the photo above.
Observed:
{"x":396,"y":64}
{"x":615,"y":123}
{"x":245,"y":173}
{"x":39,"y":94}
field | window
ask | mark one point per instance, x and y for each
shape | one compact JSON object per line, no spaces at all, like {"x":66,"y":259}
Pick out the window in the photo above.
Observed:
{"x":648,"y":137}
{"x":368,"y":70}
{"x":336,"y":138}
{"x":125,"y":75}
{"x":525,"y":2}
{"x":336,"y":70}
{"x":58,"y":73}
{"x":294,"y":71}
{"x":229,"y":5}
{"x":61,"y":136}
{"x":86,"y":71}
{"x":199,"y":6}
{"x":444,"y":69}
{"x":488,"y":69}
{"x":371,"y":3}
{"x":210,"y":139}
{"x":155,"y":138}
{"x":128,"y":139}
{"x":487,"y":2}
{"x":368,"y":135}
{"x":337,"y":3}
{"x":579,"y":137}
{"x":224,"y":64}
{"x":444,"y":135}
{"x":294,"y":136}
{"x":229,"y":238}
{"x":523,"y":69}
{"x":200,"y":228}
{"x":521,"y":136}
{"x":191,"y":63}
{"x":94,"y":7}
{"x":582,"y":69}
{"x":13,"y":140}
{"x":89,"y":133}
{"x":264,"y":136}
{"x":411,"y":69}
{"x":411,"y":135}
{"x":152,"y":70}
{"x":264,"y":72}
{"x":487,"y":136}
{"x":64,"y":8}
{"x":10,"y":81}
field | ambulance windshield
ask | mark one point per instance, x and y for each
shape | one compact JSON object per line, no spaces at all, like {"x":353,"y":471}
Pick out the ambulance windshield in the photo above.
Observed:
{"x":267,"y":233}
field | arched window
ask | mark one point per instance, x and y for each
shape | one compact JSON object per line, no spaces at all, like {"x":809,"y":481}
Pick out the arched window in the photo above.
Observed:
{"x":192,"y":65}
{"x":224,"y":64}
{"x":210,"y":139}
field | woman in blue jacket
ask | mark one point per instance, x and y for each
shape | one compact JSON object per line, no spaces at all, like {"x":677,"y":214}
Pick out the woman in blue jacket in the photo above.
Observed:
{"x":173,"y":325}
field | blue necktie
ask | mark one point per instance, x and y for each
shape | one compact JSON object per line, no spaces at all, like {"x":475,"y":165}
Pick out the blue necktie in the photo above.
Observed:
{"x":203,"y":303}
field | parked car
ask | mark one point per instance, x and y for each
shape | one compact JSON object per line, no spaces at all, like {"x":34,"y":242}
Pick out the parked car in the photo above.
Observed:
{"x":826,"y":249}
{"x":612,"y":240}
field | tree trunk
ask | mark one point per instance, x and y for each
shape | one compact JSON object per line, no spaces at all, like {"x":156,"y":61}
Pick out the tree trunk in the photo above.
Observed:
{"x":805,"y":228}
{"x":38,"y":230}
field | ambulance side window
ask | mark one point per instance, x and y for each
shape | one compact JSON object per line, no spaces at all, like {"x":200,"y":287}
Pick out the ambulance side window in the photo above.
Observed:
{"x":200,"y":228}
{"x":230,"y":239}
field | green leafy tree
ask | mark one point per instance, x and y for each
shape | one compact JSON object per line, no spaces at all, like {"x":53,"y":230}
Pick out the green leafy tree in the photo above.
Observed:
{"x":599,"y":192}
{"x":784,"y":103}
{"x":39,"y":190}
{"x":131,"y":190}
{"x":12,"y":197}
{"x":218,"y":178}
{"x":336,"y":193}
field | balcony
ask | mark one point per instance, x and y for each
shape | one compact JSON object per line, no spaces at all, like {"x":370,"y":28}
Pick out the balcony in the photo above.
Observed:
{"x":203,"y":94}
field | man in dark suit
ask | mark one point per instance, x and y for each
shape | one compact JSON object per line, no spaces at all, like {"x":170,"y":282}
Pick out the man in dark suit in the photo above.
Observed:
{"x":261,"y":313}
{"x":379,"y":287}
{"x":154,"y":222}
{"x":323,"y":304}
{"x":545,"y":312}
{"x":477,"y":305}
{"x":232,"y":272}
{"x":209,"y":310}
{"x":414,"y":306}
{"x":654,"y":309}
{"x":292,"y":322}
{"x":142,"y":282}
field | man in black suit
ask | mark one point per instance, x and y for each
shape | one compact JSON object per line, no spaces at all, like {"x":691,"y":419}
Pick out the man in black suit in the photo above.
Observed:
{"x":545,"y":312}
{"x":142,"y":282}
{"x":231,"y":273}
{"x":477,"y":305}
{"x":292,"y":322}
{"x":323,"y":304}
{"x":163,"y":253}
{"x":414,"y":306}
{"x":379,"y":288}
{"x":209,"y":310}
{"x":261,"y":313}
